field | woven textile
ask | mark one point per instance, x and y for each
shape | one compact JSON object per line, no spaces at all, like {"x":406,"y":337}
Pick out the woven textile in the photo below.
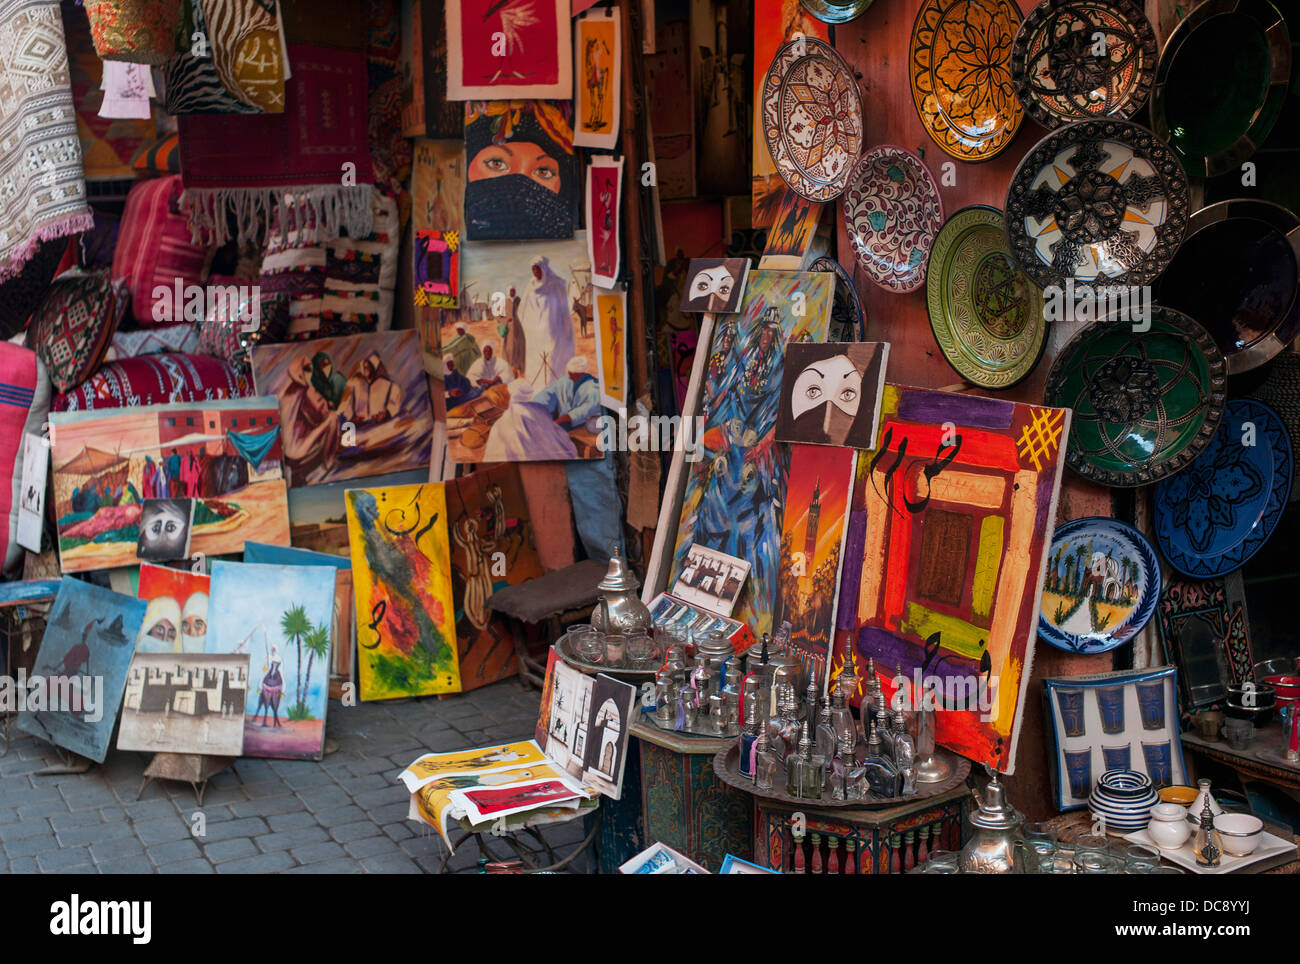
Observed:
{"x":247,"y":51}
{"x":181,"y":337}
{"x":72,"y":328}
{"x":42,"y":188}
{"x":190,"y":82}
{"x":139,"y":31}
{"x":154,"y":380}
{"x":155,"y":250}
{"x":24,"y":405}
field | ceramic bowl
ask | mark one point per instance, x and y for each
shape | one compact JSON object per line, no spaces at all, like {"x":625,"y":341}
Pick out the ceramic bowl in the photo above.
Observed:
{"x":1169,"y":828}
{"x":1180,"y":794}
{"x":1241,"y":832}
{"x":1123,"y":798}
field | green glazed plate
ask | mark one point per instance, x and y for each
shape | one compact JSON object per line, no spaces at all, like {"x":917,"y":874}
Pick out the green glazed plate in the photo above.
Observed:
{"x":986,"y":315}
{"x":1145,"y":402}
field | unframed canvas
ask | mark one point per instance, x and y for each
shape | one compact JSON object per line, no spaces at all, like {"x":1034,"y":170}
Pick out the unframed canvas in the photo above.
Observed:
{"x":185,"y":703}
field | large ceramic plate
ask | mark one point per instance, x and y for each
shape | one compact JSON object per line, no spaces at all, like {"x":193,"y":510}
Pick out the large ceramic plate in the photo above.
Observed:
{"x":1214,"y":515}
{"x":1102,"y":585}
{"x":960,"y":66}
{"x":848,"y":317}
{"x":812,"y":118}
{"x":836,"y":11}
{"x":1238,"y":274}
{"x":1221,"y":83}
{"x":892,"y":213}
{"x":1058,"y":73}
{"x":1098,"y":203}
{"x":1146,"y":403}
{"x":987,"y":317}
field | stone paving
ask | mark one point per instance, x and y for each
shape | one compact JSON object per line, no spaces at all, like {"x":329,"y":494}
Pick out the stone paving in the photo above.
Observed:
{"x":343,"y":815}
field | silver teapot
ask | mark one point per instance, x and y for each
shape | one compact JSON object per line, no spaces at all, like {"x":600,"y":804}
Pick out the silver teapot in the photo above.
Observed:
{"x":620,"y":609}
{"x":996,"y":845}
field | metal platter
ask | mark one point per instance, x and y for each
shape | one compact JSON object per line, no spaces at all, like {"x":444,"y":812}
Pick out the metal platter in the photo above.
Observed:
{"x":987,"y":317}
{"x":1098,"y":202}
{"x":591,"y":669}
{"x":1079,"y":59}
{"x":1146,"y":403}
{"x":1221,"y":82}
{"x":892,"y":212}
{"x":960,"y":68}
{"x":812,"y":118}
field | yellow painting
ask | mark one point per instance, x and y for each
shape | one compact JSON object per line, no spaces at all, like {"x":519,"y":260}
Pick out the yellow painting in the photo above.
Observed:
{"x":401,"y":565}
{"x":611,"y":346}
{"x":486,"y":759}
{"x":433,"y":801}
{"x":596,"y":82}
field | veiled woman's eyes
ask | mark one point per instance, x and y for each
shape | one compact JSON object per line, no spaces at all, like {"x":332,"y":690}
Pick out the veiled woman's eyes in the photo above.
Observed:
{"x":496,"y":165}
{"x":813,"y":392}
{"x":545,"y":173}
{"x":848,"y":394}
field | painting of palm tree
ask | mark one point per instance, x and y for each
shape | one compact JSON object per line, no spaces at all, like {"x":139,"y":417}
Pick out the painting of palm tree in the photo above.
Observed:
{"x":317,"y":643}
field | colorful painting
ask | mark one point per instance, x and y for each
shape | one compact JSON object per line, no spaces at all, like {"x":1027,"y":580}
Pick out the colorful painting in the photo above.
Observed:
{"x":790,"y":236}
{"x":522,"y":178}
{"x":478,"y":761}
{"x":82,"y":661}
{"x":584,"y":724}
{"x":438,"y":184}
{"x":611,"y":346}
{"x":433,"y":802}
{"x":350,"y":407}
{"x":437,"y":269}
{"x":604,"y":188}
{"x":736,"y":488}
{"x":185,"y":703}
{"x":281,"y":618}
{"x":952,"y":516}
{"x":831,"y":394}
{"x":492,"y":546}
{"x":406,"y":631}
{"x":715,"y":284}
{"x":225,"y":455}
{"x":177,"y":618}
{"x":818,"y":487}
{"x":519,"y":355}
{"x":598,"y":83}
{"x":508,"y":48}
{"x":318,"y":514}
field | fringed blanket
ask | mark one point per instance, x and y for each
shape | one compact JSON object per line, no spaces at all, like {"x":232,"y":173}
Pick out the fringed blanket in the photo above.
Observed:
{"x":42,"y":187}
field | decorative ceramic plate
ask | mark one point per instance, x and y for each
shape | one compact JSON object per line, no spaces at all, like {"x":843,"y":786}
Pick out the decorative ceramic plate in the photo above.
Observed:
{"x":1146,"y":403}
{"x":836,"y":11}
{"x":1238,"y":274}
{"x":985,"y":314}
{"x":812,"y":118}
{"x":1096,"y":202}
{"x":960,"y":65}
{"x":1102,"y":585}
{"x":848,"y":317}
{"x":892,"y":212}
{"x":1214,"y":515}
{"x":1221,"y":83}
{"x":1078,"y":59}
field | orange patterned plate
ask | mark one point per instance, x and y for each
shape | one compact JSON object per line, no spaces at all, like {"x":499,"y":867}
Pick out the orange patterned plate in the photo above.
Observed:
{"x":960,"y":65}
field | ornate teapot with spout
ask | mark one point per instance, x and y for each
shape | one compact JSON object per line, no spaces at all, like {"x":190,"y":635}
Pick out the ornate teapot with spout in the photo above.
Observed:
{"x":996,"y":846}
{"x":620,"y":609}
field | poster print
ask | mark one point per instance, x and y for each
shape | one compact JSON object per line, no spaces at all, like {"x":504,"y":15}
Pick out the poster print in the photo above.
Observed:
{"x":485,"y":804}
{"x":831,"y":393}
{"x":177,"y":618}
{"x":954,"y":513}
{"x":432,"y":803}
{"x":597,"y":86}
{"x":350,"y":407}
{"x":185,"y":703}
{"x":715,"y":284}
{"x":406,"y":631}
{"x":734,"y":492}
{"x":508,"y":48}
{"x":611,"y":346}
{"x":437,"y":269}
{"x":791,"y":233}
{"x":711,"y":579}
{"x":492,"y":546}
{"x":82,"y":661}
{"x":480,"y":760}
{"x":604,"y":186}
{"x":812,"y":543}
{"x":280,"y":617}
{"x":224,"y":455}
{"x":527,"y":305}
{"x":522,"y":178}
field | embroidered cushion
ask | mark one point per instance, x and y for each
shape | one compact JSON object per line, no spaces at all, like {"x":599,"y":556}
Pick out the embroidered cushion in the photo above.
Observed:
{"x":155,"y":251}
{"x":154,"y":380}
{"x":74,"y":324}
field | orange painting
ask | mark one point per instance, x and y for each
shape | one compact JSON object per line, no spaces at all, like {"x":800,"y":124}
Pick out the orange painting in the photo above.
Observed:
{"x":611,"y":342}
{"x":596,"y":82}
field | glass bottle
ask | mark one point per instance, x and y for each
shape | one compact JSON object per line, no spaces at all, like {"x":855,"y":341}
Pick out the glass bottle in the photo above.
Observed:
{"x":765,"y":764}
{"x":846,"y":780}
{"x":794,"y":763}
{"x":848,"y":679}
{"x":842,"y":722}
{"x":904,"y":754}
{"x":663,"y":696}
{"x":825,"y":738}
{"x":747,"y":741}
{"x":1208,"y":845}
{"x":872,"y":699}
{"x":810,"y":701}
{"x":783,"y":729}
{"x":878,"y":770}
{"x":885,"y":733}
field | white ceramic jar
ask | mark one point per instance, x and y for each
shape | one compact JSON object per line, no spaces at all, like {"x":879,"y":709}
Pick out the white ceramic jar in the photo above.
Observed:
{"x":1169,"y":828}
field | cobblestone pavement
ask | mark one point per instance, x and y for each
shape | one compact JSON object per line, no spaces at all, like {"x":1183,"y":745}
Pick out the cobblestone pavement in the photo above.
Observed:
{"x":345,"y":814}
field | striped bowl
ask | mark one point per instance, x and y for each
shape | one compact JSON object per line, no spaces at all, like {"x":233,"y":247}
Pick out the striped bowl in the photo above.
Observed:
{"x":1123,"y":798}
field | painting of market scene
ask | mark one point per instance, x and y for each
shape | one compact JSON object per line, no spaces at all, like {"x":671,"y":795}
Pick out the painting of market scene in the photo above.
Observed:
{"x":224,"y":455}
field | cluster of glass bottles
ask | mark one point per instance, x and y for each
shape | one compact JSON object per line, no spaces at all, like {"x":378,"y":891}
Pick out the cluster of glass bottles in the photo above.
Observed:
{"x":699,"y":695}
{"x":814,"y":749}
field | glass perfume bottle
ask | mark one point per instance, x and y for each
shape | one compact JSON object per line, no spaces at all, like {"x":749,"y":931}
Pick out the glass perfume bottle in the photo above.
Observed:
{"x":885,"y":733}
{"x":794,"y":769}
{"x":1208,"y":845}
{"x":806,"y":771}
{"x":810,"y":701}
{"x":663,"y":696}
{"x":873,"y":699}
{"x":766,"y":764}
{"x":904,"y":754}
{"x":825,"y":736}
{"x":879,"y":770}
{"x":747,"y":741}
{"x":842,"y":722}
{"x":855,"y":779}
{"x":783,"y":729}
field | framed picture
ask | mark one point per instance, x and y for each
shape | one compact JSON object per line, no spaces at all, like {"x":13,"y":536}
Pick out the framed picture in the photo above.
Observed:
{"x":506,"y":49}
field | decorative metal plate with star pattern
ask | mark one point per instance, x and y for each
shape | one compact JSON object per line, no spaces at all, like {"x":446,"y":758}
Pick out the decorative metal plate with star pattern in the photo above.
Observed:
{"x":812,"y":118}
{"x":1098,"y":202}
{"x":1081,"y":59}
{"x":1146,"y":403}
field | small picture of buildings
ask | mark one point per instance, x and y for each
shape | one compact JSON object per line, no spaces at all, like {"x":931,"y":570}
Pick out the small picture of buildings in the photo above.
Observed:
{"x":185,"y":703}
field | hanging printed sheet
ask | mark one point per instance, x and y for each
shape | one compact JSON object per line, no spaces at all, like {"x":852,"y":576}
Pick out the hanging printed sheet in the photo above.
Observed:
{"x":604,"y":187}
{"x":508,"y":48}
{"x":597,"y":86}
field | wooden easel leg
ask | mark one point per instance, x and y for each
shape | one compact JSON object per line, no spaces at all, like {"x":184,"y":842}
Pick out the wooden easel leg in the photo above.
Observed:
{"x":72,"y":763}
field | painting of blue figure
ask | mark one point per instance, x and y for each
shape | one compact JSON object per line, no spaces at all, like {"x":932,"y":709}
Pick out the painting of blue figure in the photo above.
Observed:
{"x":80,"y":670}
{"x":737,"y":485}
{"x":283,"y":618}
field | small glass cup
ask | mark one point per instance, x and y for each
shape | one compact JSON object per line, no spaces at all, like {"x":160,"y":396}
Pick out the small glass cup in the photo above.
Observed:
{"x":945,"y":860}
{"x":932,"y":868}
{"x":588,"y":644}
{"x":1140,"y":859}
{"x":1097,"y":842}
{"x":1093,"y":862}
{"x":1056,"y":863}
{"x":1040,"y":838}
{"x":640,"y":651}
{"x":615,"y":649}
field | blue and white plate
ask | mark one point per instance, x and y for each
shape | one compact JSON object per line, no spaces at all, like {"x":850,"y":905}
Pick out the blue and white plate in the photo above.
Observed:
{"x":1215,"y":514}
{"x":1101,"y":587}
